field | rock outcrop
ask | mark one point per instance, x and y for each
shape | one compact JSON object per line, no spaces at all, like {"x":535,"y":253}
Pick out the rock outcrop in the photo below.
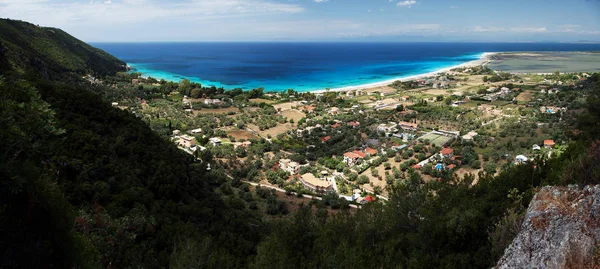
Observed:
{"x":561,"y":230}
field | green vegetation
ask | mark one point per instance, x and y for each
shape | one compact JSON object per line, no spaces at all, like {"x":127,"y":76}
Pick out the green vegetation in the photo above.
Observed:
{"x":50,"y":52}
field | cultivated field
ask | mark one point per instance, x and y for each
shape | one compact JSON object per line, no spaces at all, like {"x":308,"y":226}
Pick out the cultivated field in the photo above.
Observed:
{"x":436,"y":139}
{"x":293,"y":114}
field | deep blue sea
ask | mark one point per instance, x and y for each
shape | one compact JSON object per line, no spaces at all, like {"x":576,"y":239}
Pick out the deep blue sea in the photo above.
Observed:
{"x":305,"y":66}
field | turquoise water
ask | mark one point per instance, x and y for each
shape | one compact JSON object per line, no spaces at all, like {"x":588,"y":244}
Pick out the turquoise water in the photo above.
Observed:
{"x":305,"y":66}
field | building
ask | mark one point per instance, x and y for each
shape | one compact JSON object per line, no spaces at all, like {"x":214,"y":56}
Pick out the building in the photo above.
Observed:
{"x":289,"y":166}
{"x":387,"y":128}
{"x":521,"y":159}
{"x":212,"y":101}
{"x":351,"y":158}
{"x":333,"y":111}
{"x":325,"y":139}
{"x":354,"y":124}
{"x":371,"y":152}
{"x":469,"y":136}
{"x":447,"y":152}
{"x":407,"y":126}
{"x":312,"y":183}
{"x":215,"y":141}
{"x":308,"y":109}
{"x":187,"y":141}
{"x":176,"y":132}
{"x":536,"y":147}
{"x":405,"y":98}
{"x":336,"y":125}
{"x":549,"y":144}
{"x":196,"y":131}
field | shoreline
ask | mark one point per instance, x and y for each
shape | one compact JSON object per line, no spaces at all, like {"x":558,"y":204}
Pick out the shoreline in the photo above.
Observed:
{"x":484,"y":59}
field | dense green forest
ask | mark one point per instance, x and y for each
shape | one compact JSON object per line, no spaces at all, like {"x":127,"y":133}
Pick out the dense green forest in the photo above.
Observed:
{"x":86,"y":185}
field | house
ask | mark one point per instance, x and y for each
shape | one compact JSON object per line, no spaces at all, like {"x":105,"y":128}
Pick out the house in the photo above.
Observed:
{"x":333,"y":111}
{"x":370,"y":151}
{"x":549,"y":143}
{"x":187,"y":141}
{"x":289,"y":166}
{"x":521,"y":159}
{"x":336,"y":125}
{"x":196,"y":131}
{"x":405,"y":98}
{"x":536,"y":147}
{"x":308,"y":109}
{"x":407,"y":126}
{"x":135,"y":81}
{"x":212,"y":101}
{"x":215,"y":141}
{"x":387,"y":128}
{"x":447,"y":152}
{"x":451,"y":167}
{"x":370,"y":199}
{"x":176,"y":132}
{"x":114,"y":104}
{"x":311,"y":182}
{"x":325,"y":139}
{"x":351,"y":158}
{"x":469,"y":136}
{"x":354,"y":124}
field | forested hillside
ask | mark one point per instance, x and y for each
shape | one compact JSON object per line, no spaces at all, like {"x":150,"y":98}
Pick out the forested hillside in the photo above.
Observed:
{"x":84,"y":184}
{"x":87,"y":185}
{"x":50,"y":52}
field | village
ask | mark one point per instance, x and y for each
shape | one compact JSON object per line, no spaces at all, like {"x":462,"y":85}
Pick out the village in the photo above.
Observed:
{"x":360,"y":143}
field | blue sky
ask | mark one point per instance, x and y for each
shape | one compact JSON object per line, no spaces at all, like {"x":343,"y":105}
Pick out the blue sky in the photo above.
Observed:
{"x":314,"y":20}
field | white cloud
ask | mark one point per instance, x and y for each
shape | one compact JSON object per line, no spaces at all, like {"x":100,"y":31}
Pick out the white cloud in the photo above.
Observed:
{"x":528,"y":30}
{"x":407,"y":3}
{"x":61,"y":14}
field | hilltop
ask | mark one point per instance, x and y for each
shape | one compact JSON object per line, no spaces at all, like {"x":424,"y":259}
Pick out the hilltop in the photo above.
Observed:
{"x":50,"y":52}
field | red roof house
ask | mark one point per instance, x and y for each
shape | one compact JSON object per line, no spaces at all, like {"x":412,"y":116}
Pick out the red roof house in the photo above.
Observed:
{"x":549,"y":143}
{"x":447,"y":152}
{"x":371,"y":151}
{"x":370,"y":199}
{"x":325,"y":139}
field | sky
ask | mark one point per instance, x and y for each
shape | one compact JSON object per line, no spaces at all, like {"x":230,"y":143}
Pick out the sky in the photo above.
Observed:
{"x":315,"y":20}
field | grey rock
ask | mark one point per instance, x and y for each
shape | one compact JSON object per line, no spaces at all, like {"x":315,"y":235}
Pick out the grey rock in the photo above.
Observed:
{"x":561,"y":230}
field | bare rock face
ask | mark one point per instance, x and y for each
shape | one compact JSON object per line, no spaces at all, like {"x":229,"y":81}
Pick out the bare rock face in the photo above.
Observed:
{"x":561,"y":230}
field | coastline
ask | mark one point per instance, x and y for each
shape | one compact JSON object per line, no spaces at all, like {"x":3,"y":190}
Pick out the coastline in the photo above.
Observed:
{"x":484,"y":59}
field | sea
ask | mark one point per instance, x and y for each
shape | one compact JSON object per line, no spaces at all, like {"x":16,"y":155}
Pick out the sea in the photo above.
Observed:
{"x":305,"y":66}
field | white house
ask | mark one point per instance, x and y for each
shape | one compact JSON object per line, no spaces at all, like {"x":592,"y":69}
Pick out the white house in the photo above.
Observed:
{"x":215,"y":141}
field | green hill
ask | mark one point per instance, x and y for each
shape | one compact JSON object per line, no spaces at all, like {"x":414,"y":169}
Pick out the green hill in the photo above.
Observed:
{"x":50,"y":52}
{"x":86,"y":185}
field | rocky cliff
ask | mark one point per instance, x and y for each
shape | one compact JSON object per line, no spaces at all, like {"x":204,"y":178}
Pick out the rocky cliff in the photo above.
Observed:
{"x":561,"y":230}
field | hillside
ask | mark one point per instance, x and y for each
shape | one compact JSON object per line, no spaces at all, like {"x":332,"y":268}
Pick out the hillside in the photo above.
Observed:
{"x":87,"y":185}
{"x":50,"y":52}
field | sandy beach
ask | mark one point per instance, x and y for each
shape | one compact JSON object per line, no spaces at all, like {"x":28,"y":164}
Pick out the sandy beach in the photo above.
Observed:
{"x":483,"y":60}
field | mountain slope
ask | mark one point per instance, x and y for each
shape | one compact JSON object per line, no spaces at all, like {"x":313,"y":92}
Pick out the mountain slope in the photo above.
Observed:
{"x":50,"y":52}
{"x":86,"y":185}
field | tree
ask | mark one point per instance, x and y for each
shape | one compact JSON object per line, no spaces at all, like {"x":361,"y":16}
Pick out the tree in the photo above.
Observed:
{"x":489,"y":168}
{"x":476,"y":164}
{"x":362,"y":179}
